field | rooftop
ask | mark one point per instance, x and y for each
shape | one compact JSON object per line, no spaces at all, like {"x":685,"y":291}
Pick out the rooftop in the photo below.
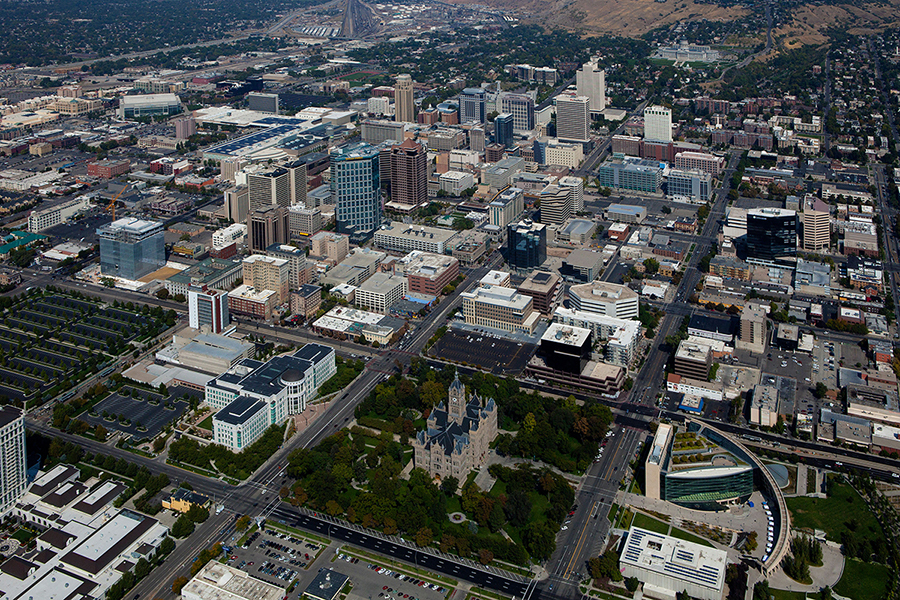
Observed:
{"x":566,"y":334}
{"x":675,"y":558}
{"x":240,"y":411}
{"x":216,"y":581}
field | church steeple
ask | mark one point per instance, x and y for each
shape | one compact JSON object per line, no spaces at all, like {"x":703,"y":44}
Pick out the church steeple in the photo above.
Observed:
{"x":456,"y":401}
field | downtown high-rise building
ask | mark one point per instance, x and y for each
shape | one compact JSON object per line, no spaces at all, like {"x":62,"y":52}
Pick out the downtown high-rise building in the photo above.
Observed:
{"x":472,"y":106}
{"x":131,"y":248}
{"x":268,"y":225}
{"x":771,"y":233}
{"x":657,"y":124}
{"x":404,"y":100}
{"x":409,"y":175}
{"x":503,"y":129}
{"x":269,"y":188}
{"x":356,"y":189}
{"x":590,"y":81}
{"x":521,"y":107}
{"x":12,"y":457}
{"x":208,"y":307}
{"x":573,"y":118}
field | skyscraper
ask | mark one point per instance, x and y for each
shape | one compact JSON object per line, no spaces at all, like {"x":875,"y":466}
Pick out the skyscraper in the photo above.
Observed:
{"x":521,"y":107}
{"x":404,"y":106}
{"x":131,"y":248}
{"x":527,"y":244}
{"x":590,"y":81}
{"x":269,"y":188}
{"x":816,"y":225}
{"x":297,"y":177}
{"x":573,"y":118}
{"x":771,"y":233}
{"x":409,"y":175}
{"x":12,"y":457}
{"x":577,"y":186}
{"x":503,"y":129}
{"x":356,"y":189}
{"x":268,"y":225}
{"x":471,"y":106}
{"x":208,"y":307}
{"x":657,"y":124}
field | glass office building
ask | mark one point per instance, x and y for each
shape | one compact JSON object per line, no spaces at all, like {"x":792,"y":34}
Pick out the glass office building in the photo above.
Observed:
{"x":771,"y":233}
{"x":131,"y":248}
{"x":527,"y":244}
{"x":707,"y":488}
{"x":356,"y":190}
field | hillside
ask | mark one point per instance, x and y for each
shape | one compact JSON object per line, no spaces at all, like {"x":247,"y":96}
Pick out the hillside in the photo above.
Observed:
{"x":805,"y":25}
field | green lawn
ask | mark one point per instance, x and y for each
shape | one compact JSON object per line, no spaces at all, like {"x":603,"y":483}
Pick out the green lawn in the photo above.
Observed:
{"x":23,"y":535}
{"x":833,"y":514}
{"x":206,"y":423}
{"x":690,"y":537}
{"x":863,"y":581}
{"x":649,"y":523}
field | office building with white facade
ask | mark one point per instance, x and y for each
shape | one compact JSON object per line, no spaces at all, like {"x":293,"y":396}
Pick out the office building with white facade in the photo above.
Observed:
{"x":40,"y":220}
{"x":380,"y":291}
{"x":573,"y":118}
{"x":620,"y":336}
{"x":401,"y":237}
{"x":590,"y":81}
{"x":603,"y":298}
{"x":252,"y":396}
{"x":233,"y":234}
{"x":658,"y":124}
{"x":668,"y":565}
{"x":12,"y":460}
{"x":207,"y":307}
{"x":506,"y":206}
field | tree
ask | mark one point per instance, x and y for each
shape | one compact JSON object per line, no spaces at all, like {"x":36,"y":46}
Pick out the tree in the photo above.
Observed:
{"x":631,"y":584}
{"x":528,"y":423}
{"x":179,"y":583}
{"x":182,"y":527}
{"x":142,"y":568}
{"x":651,"y":265}
{"x":167,"y":545}
{"x":163,"y":294}
{"x":243,"y":523}
{"x":821,"y":390}
{"x":424,"y":537}
{"x":485,"y":556}
{"x":449,"y":485}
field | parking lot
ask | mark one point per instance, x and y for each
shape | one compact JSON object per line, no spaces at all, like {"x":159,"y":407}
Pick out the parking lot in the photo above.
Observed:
{"x":147,"y":414}
{"x":494,"y":353}
{"x":277,"y":558}
{"x":371,"y":580}
{"x":280,"y":558}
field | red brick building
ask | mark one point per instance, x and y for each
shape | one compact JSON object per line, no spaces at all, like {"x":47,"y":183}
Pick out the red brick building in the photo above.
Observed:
{"x":107,"y":168}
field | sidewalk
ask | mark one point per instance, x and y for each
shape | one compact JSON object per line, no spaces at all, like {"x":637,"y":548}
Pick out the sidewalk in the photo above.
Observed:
{"x":828,"y":574}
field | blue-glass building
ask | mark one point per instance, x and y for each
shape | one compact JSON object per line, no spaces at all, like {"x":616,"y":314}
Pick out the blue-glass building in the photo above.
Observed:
{"x":131,"y":248}
{"x":356,"y":190}
{"x":527,"y":244}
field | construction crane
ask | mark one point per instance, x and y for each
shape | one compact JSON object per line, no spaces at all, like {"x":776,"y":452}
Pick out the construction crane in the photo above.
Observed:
{"x":112,"y":203}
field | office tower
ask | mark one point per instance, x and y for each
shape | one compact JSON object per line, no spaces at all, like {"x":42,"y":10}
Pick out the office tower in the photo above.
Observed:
{"x":556,"y":204}
{"x":527,"y":244}
{"x":267,"y":103}
{"x":409,"y":175}
{"x":208,"y":307}
{"x":404,"y":106}
{"x":270,"y":188}
{"x":237,"y":203}
{"x":506,"y":206}
{"x":471,"y":106}
{"x":657,"y":124}
{"x":131,"y":248}
{"x":573,"y":118}
{"x":590,"y":81}
{"x":268,"y":273}
{"x":521,"y":107}
{"x":816,"y":225}
{"x":356,"y":189}
{"x":297,"y":175}
{"x":771,"y":232}
{"x":476,"y":139}
{"x":298,"y":272}
{"x":503,"y":129}
{"x":268,"y":225}
{"x":576,"y":184}
{"x":12,"y":457}
{"x":185,"y":128}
